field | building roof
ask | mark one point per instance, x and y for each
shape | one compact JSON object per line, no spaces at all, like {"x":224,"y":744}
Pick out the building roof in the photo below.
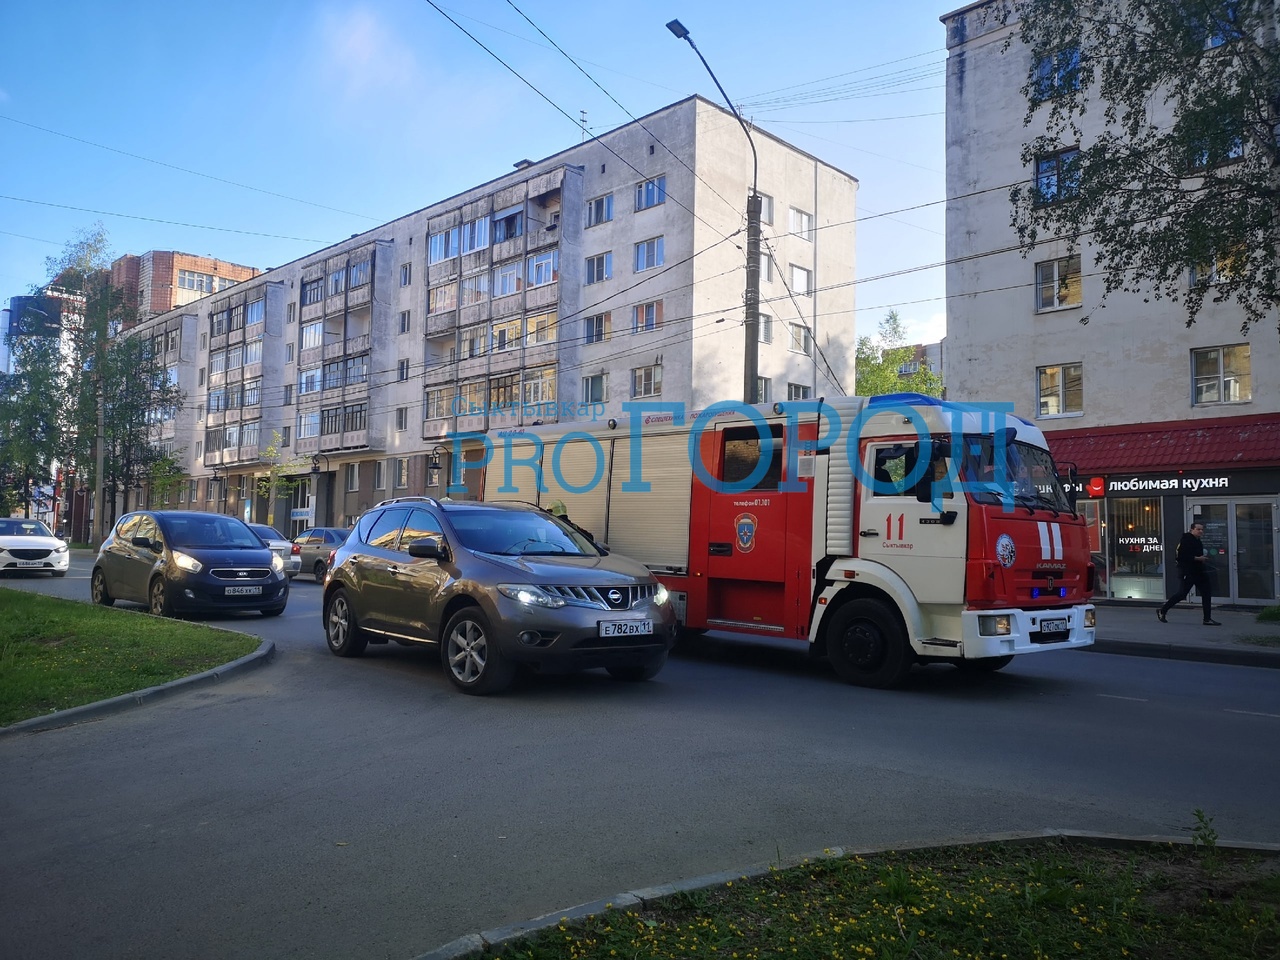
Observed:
{"x":1193,"y":445}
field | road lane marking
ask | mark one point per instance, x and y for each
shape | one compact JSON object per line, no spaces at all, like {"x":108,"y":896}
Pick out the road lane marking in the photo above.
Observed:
{"x":1254,"y":713}
{"x":1112,"y":696}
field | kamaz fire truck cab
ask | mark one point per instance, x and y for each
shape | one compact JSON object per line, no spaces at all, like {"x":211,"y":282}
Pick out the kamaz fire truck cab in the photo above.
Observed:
{"x":884,"y":532}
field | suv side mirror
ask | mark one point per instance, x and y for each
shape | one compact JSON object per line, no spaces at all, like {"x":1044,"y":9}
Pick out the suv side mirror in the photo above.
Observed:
{"x":429,"y":548}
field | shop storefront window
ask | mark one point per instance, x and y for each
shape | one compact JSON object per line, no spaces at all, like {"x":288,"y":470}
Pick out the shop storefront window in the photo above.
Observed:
{"x":1137,"y":550}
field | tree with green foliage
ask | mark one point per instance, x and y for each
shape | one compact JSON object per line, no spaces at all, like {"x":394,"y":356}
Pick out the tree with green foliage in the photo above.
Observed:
{"x":878,"y":361}
{"x":31,"y":423}
{"x":284,"y":475}
{"x":1160,"y":144}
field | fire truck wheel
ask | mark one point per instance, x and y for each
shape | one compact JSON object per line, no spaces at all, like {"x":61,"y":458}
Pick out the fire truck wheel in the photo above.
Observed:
{"x":635,"y":672}
{"x":867,"y":645}
{"x":985,"y":664}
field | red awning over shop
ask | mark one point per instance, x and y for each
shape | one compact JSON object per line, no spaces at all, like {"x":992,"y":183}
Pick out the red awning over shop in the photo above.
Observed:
{"x":1234,"y":442}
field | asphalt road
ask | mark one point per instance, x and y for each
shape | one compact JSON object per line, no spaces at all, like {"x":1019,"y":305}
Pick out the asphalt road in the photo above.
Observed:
{"x":328,"y":808}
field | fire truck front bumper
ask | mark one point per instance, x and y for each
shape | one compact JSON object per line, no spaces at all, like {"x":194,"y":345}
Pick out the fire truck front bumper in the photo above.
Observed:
{"x":999,"y":633}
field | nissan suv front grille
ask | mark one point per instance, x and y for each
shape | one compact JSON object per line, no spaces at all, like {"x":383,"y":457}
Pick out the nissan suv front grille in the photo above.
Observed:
{"x":606,"y":598}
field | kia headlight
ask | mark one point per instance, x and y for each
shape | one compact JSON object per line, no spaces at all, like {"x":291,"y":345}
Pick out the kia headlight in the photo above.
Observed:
{"x":530,"y":595}
{"x":187,"y":562}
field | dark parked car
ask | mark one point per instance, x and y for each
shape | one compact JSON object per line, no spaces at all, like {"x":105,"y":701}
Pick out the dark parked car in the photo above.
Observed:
{"x":316,"y":544}
{"x":179,"y":561}
{"x":495,"y":585}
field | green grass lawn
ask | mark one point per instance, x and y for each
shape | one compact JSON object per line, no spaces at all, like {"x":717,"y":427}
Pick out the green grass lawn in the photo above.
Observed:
{"x":1052,"y":899}
{"x":56,"y":654}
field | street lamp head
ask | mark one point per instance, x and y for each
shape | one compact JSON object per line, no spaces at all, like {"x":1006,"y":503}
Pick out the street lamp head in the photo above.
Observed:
{"x":677,"y":28}
{"x":315,"y":463}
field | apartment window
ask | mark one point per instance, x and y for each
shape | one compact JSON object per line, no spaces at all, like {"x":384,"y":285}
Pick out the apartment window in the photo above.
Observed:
{"x":337,"y":281}
{"x":250,"y":433}
{"x":355,"y":417}
{"x":231,"y":435}
{"x":540,"y":385}
{"x":801,"y":223}
{"x":764,"y":390}
{"x":406,"y":274}
{"x":379,"y":475}
{"x":1061,"y":390}
{"x":190,"y":280}
{"x":434,"y":404}
{"x":312,"y":335}
{"x":358,"y":274}
{"x":474,"y":289}
{"x":1207,"y":153}
{"x":595,"y":389}
{"x":255,"y":312}
{"x":909,"y":368}
{"x":801,"y":339}
{"x":801,"y":281}
{"x":204,"y":341}
{"x":288,"y":353}
{"x":544,"y":268}
{"x":646,"y":381}
{"x":284,"y":436}
{"x":170,"y":341}
{"x":1057,"y":73}
{"x":1058,"y":283}
{"x":218,"y":326}
{"x":309,"y":424}
{"x":475,"y":234}
{"x":651,"y":193}
{"x":599,"y":267}
{"x":508,"y":224}
{"x":766,"y":208}
{"x":600,"y":210}
{"x":507,"y":279}
{"x":217,"y":400}
{"x":288,"y":394}
{"x":332,"y":375}
{"x":595,"y":329}
{"x":1222,"y":374}
{"x":217,"y":362}
{"x":200,"y":378}
{"x":402,"y":472}
{"x":357,"y":370}
{"x":308,"y":381}
{"x":443,"y":245}
{"x":353,"y":477}
{"x":235,"y":356}
{"x":199,"y":411}
{"x":798,"y":391}
{"x":649,"y":254}
{"x":405,"y":324}
{"x":442,"y":298}
{"x":765,"y":328}
{"x":253,"y":350}
{"x":253,"y":392}
{"x":766,"y":267}
{"x":542,"y":328}
{"x":474,"y":341}
{"x":402,"y":418}
{"x":471,"y":397}
{"x":312,"y":291}
{"x":507,"y":333}
{"x":646,"y":316}
{"x":1057,"y":176}
{"x":402,"y":370}
{"x":330,"y":421}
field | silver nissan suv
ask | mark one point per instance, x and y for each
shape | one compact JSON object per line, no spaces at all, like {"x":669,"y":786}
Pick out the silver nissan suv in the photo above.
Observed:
{"x":494,"y":585}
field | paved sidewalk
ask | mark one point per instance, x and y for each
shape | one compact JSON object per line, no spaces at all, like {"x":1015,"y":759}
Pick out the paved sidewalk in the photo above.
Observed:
{"x":1134,"y":630}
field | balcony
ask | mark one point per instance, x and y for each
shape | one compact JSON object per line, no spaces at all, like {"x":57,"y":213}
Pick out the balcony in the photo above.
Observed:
{"x":359,"y":296}
{"x":444,"y":322}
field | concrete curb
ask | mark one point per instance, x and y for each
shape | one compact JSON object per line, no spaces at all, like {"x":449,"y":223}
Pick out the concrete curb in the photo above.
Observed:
{"x":475,"y":944}
{"x":1234,"y":655}
{"x":94,"y":711}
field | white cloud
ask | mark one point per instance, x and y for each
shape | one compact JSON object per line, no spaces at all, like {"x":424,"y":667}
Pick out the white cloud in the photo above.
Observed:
{"x":357,"y":52}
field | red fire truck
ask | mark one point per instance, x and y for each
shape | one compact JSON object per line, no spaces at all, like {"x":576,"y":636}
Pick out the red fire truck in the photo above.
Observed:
{"x":883,"y":532}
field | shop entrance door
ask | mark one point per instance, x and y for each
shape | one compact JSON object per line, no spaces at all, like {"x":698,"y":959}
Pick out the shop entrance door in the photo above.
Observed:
{"x":1240,"y":541}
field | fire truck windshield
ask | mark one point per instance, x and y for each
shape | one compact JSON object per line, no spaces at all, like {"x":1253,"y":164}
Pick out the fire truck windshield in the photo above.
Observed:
{"x":1025,"y":475}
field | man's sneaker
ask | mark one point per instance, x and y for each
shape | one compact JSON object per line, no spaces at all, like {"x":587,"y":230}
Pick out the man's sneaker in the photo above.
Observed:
{"x":1160,"y":616}
{"x":1212,"y":623}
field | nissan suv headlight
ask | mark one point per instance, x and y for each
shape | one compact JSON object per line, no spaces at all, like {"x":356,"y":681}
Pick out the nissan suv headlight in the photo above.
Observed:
{"x":530,"y":595}
{"x":661,"y":595}
{"x":187,"y":562}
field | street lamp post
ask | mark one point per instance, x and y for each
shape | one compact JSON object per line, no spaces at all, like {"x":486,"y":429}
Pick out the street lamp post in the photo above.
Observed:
{"x":320,"y":511}
{"x":751,"y":301}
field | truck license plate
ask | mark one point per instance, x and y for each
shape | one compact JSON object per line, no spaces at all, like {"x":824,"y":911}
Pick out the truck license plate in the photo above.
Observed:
{"x":1053,"y":626}
{"x":625,"y":628}
{"x":243,"y":591}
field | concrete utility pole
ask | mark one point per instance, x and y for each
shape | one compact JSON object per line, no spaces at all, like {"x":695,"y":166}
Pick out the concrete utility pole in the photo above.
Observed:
{"x":751,"y":300}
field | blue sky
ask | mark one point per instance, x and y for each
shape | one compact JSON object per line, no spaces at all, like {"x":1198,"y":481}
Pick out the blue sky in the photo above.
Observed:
{"x":258,"y":132}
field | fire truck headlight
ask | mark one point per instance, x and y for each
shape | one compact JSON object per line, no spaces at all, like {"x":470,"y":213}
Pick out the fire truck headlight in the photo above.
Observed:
{"x":994,"y":626}
{"x":661,"y":596}
{"x":1090,"y":617}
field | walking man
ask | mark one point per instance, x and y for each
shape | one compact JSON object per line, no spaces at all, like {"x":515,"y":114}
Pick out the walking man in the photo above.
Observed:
{"x":1194,"y":569}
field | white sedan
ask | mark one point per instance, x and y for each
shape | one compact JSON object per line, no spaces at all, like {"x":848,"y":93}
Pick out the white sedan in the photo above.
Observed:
{"x":29,"y":546}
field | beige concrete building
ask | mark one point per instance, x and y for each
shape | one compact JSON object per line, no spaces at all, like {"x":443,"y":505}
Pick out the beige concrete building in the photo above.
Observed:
{"x":1165,"y":422}
{"x":608,"y":273}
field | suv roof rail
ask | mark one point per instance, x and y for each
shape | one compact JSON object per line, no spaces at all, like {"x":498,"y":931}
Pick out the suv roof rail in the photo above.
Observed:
{"x":430,"y":500}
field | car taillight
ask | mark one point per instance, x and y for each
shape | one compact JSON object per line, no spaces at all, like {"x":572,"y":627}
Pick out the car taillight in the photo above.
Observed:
{"x":332,"y":554}
{"x":296,"y":550}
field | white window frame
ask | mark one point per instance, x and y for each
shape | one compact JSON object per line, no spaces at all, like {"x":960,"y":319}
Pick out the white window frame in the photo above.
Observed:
{"x":801,"y":339}
{"x":1057,"y":275}
{"x":1061,"y":394}
{"x":402,"y":369}
{"x":598,"y":268}
{"x":799,"y":391}
{"x":801,"y":280}
{"x":651,"y":193}
{"x":600,"y":210}
{"x":1228,"y":388}
{"x":650,"y":254}
{"x":646,"y":381}
{"x":800,"y":223}
{"x":596,"y":328}
{"x":600,"y":379}
{"x":353,"y":477}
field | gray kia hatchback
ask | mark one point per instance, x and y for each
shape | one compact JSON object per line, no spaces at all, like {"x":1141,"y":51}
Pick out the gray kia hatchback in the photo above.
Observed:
{"x":495,"y":585}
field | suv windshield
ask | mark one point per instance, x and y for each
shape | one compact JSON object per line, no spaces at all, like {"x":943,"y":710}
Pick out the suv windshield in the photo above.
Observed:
{"x":517,"y":533}
{"x":1027,"y":475}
